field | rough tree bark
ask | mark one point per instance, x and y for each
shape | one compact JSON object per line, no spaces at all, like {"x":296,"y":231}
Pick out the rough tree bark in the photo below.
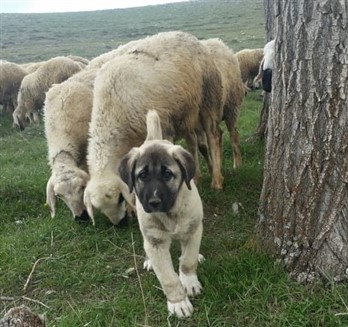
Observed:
{"x":303,"y":214}
{"x":261,"y":130}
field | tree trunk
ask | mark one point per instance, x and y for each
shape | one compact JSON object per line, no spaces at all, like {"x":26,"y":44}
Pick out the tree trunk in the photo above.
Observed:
{"x":303,"y":214}
{"x":269,"y":28}
{"x":261,"y":130}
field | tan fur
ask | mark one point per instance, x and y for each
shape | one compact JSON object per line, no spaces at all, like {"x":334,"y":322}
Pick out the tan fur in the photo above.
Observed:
{"x":11,"y":76}
{"x":186,"y":213}
{"x":170,"y":72}
{"x":34,"y":86}
{"x":249,"y":63}
{"x":233,"y":92}
{"x":153,"y":124}
{"x":183,"y":222}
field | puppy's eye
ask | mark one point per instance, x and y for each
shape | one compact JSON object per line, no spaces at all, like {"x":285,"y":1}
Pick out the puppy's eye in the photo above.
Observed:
{"x":167,"y":174}
{"x":143,"y":175}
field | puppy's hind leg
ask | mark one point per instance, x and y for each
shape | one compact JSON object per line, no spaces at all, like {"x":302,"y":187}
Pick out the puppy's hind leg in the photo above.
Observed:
{"x":189,"y":261}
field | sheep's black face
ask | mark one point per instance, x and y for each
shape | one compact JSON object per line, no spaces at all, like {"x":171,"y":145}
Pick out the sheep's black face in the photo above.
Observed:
{"x":157,"y":180}
{"x":267,"y":80}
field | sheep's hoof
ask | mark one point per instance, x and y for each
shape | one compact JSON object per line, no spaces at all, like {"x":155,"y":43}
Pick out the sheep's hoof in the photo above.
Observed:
{"x":217,"y":186}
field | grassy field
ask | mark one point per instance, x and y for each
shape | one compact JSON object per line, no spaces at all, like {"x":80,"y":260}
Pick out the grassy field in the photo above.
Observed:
{"x":91,"y":276}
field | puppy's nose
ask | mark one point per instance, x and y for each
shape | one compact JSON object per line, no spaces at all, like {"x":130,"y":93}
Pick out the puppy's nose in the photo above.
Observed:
{"x":154,"y":202}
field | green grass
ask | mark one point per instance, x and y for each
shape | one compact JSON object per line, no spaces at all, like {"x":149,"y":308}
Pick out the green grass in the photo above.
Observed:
{"x":82,"y":278}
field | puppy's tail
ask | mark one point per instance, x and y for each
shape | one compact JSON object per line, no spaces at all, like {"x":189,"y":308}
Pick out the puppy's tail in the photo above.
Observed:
{"x":153,"y":123}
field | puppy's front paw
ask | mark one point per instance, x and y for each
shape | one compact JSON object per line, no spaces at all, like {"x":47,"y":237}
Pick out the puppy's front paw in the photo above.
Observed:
{"x":147,"y":264}
{"x":180,"y":309}
{"x":191,"y":284}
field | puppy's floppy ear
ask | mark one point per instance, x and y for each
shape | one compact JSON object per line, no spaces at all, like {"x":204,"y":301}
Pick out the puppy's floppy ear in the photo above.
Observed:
{"x":186,"y":163}
{"x":127,"y":168}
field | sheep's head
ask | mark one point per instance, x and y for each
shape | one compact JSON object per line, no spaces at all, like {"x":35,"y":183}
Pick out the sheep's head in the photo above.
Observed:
{"x":69,"y":185}
{"x":110,"y":196}
{"x":20,"y":119}
{"x":26,"y":112}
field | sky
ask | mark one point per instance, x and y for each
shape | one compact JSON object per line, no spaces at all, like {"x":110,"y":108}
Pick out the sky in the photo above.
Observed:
{"x":41,"y":6}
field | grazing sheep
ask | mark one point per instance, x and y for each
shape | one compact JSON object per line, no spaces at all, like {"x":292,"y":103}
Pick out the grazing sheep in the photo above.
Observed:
{"x":67,"y":113}
{"x":11,"y":76}
{"x":249,"y":62}
{"x":170,"y":72}
{"x":31,"y":67}
{"x":97,"y":62}
{"x":31,"y":95}
{"x":79,"y":59}
{"x":232,"y":95}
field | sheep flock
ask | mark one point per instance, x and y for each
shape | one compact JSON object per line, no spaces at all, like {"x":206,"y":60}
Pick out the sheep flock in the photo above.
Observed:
{"x":94,"y":111}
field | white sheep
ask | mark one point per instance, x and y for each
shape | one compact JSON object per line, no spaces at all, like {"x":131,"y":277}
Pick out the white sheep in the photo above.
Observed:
{"x":31,"y":67}
{"x":11,"y":76}
{"x":233,"y":92}
{"x":249,"y":63}
{"x":98,"y":61}
{"x":170,"y":72}
{"x":31,"y":95}
{"x":67,"y":113}
{"x":79,"y":59}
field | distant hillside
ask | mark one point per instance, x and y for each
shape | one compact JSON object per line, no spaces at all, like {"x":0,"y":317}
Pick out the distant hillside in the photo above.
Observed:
{"x":33,"y":37}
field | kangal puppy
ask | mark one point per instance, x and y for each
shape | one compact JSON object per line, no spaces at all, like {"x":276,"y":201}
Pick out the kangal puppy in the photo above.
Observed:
{"x":168,"y":207}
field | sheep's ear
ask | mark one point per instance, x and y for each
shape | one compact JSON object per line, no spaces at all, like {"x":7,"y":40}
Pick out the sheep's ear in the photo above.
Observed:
{"x":51,"y":197}
{"x":186,"y":163}
{"x":127,"y":168}
{"x":88,"y":203}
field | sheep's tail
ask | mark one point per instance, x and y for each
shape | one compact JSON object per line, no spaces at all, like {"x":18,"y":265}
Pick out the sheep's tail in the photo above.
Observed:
{"x":153,"y":122}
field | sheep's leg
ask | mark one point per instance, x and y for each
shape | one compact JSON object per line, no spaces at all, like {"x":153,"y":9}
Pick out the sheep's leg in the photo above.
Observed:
{"x":204,"y":148}
{"x":214,"y":138}
{"x":192,"y":145}
{"x":231,"y":121}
